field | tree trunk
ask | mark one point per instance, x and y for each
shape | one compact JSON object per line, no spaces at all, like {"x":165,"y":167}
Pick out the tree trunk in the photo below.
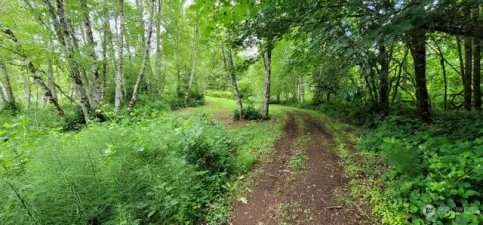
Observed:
{"x":120,"y":69}
{"x":302,"y":89}
{"x":399,"y":73}
{"x":417,"y":46}
{"x":268,"y":72}
{"x":467,"y":74}
{"x":157,"y":62}
{"x":51,"y":80}
{"x":147,"y":46}
{"x":460,"y":57}
{"x":3,"y":100}
{"x":33,"y":70}
{"x":96,"y":84}
{"x":74,"y":65}
{"x":445,"y":83}
{"x":9,"y":97}
{"x":230,"y":68}
{"x":193,"y":62}
{"x":104,"y":59}
{"x":27,"y":91}
{"x":477,"y":73}
{"x":443,"y":67}
{"x":383,"y":78}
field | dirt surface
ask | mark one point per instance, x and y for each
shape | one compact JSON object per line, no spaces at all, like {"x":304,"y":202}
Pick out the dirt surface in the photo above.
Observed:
{"x":281,"y":196}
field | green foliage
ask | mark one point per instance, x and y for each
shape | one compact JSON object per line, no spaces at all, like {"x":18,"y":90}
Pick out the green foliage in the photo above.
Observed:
{"x":249,"y":113}
{"x":8,"y":109}
{"x":429,"y":165}
{"x":193,"y":101}
{"x":220,"y":94}
{"x":297,"y":162}
{"x":74,"y":121}
{"x":209,"y":149}
{"x":115,"y":173}
{"x":356,"y":114}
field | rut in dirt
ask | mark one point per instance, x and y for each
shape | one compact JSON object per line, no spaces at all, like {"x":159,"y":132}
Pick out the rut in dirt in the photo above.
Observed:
{"x":281,"y":196}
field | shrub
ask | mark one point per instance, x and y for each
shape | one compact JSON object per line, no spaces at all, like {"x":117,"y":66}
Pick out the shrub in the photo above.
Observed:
{"x":196,"y":100}
{"x":164,"y":170}
{"x":74,"y":121}
{"x":220,"y":94}
{"x":249,"y":113}
{"x":439,"y":165}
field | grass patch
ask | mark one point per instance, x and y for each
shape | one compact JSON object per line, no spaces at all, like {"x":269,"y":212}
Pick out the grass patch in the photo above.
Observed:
{"x":297,"y":161}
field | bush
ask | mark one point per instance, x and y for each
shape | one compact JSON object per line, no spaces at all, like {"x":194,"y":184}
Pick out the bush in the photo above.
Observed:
{"x":193,"y":101}
{"x":164,"y":170}
{"x":74,"y":121}
{"x":9,"y":109}
{"x":249,"y":113}
{"x":220,"y":94}
{"x":196,"y":100}
{"x":439,"y":165}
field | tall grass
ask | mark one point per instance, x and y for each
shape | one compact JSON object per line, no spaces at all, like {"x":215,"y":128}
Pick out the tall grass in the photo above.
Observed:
{"x":117,"y":174}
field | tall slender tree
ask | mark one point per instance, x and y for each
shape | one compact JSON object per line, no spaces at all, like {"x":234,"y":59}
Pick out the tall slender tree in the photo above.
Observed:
{"x":32,"y":69}
{"x":9,"y":97}
{"x":96,"y":83}
{"x":477,"y":73}
{"x":120,"y":68}
{"x":147,"y":46}
{"x":193,"y":60}
{"x":467,"y":74}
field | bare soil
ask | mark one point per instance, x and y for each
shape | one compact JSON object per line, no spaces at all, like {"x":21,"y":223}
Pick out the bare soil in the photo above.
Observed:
{"x":281,"y":196}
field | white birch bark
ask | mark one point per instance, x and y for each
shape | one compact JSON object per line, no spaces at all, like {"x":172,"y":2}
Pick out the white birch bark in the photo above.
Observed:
{"x":193,"y":62}
{"x":96,"y":84}
{"x":147,"y":46}
{"x":120,"y":69}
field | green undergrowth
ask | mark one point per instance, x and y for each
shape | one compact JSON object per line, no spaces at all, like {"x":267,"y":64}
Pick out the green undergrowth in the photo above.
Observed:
{"x":151,"y":167}
{"x":248,"y":113}
{"x":254,"y":140}
{"x":46,"y":118}
{"x":402,"y":166}
{"x":165,"y":170}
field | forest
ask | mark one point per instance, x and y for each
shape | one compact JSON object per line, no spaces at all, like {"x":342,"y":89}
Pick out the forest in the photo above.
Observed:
{"x":241,"y":112}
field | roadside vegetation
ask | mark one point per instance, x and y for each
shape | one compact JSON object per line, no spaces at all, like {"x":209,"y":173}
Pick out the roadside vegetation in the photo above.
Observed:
{"x":164,"y":111}
{"x":148,"y":167}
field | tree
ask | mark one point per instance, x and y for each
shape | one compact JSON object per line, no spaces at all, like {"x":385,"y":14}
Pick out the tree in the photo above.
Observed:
{"x":417,"y":45}
{"x":9,"y":97}
{"x":230,"y":68}
{"x":467,"y":74}
{"x":120,"y":68}
{"x":32,"y":69}
{"x":477,"y":73}
{"x":147,"y":46}
{"x":157,"y":63}
{"x":96,"y":83}
{"x":193,"y":61}
{"x":74,"y":64}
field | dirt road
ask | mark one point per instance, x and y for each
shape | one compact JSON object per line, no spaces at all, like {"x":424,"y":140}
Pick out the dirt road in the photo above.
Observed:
{"x":282,"y":195}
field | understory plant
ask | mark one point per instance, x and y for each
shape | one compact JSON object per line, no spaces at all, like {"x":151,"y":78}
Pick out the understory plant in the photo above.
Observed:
{"x":428,"y":167}
{"x":163,"y":170}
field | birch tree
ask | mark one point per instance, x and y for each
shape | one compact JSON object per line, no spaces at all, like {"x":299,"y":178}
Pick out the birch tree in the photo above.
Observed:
{"x":120,"y":69}
{"x":9,"y":97}
{"x":147,"y":46}
{"x":193,"y":61}
{"x":96,"y":84}
{"x":32,"y":69}
{"x":230,"y":69}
